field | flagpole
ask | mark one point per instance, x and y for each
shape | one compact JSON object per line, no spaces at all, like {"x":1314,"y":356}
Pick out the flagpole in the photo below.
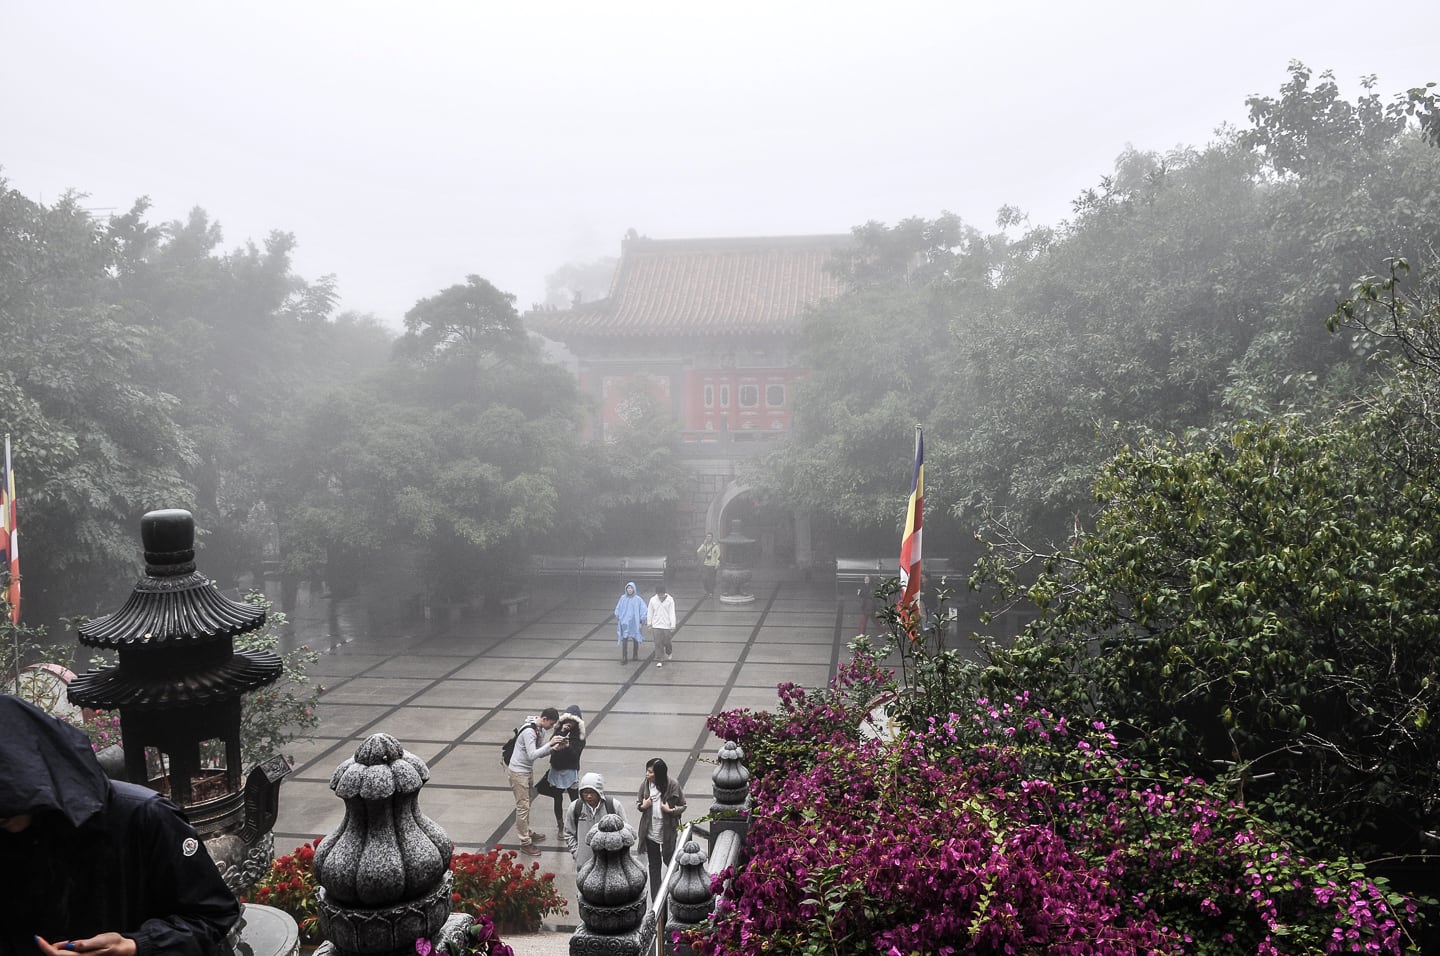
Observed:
{"x":9,"y":509}
{"x":910,"y":541}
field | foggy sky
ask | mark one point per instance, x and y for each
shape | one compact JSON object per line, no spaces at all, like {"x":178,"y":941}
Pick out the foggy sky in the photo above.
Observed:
{"x":410,"y":144}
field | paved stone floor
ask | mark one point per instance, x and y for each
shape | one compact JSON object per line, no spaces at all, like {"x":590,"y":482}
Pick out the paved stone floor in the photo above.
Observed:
{"x":450,"y":693}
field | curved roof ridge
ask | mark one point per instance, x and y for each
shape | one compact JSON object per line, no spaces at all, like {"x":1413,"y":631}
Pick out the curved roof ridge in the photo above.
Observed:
{"x":718,"y":286}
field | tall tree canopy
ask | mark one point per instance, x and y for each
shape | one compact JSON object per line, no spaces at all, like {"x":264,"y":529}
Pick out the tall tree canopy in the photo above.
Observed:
{"x":1188,"y":291}
{"x":144,"y":367}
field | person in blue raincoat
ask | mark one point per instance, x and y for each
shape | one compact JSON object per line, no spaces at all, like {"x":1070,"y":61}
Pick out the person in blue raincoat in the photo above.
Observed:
{"x":630,"y":615}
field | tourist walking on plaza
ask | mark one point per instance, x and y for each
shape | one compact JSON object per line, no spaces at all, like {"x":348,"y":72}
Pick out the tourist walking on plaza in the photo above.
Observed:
{"x":662,"y":622}
{"x":661,"y":803}
{"x":630,"y":614}
{"x":585,"y":813}
{"x":709,"y":552}
{"x":91,"y":865}
{"x":529,"y":744}
{"x":866,"y":593}
{"x":564,"y":774}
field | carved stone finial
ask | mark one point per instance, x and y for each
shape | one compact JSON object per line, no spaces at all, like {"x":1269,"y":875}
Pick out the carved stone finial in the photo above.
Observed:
{"x":614,"y":909}
{"x":384,"y":873}
{"x":731,"y":781}
{"x":690,"y":897}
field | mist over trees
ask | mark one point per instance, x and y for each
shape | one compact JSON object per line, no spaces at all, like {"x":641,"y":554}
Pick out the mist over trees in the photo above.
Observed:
{"x":147,"y":365}
{"x":143,"y":367}
{"x":1195,"y":427}
{"x":1188,"y":291}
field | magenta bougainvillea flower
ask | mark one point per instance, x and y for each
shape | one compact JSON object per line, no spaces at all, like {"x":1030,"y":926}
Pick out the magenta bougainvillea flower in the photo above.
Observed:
{"x":1011,"y":830}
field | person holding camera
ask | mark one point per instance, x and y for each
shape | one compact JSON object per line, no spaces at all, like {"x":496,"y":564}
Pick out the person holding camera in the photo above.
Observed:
{"x":533,"y":742}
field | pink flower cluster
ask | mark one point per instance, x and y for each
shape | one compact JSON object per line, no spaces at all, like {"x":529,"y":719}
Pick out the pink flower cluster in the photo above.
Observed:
{"x":1011,"y":830}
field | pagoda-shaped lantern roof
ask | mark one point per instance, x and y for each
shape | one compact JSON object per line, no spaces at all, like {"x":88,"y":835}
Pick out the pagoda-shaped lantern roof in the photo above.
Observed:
{"x":174,"y":635}
{"x":705,"y":287}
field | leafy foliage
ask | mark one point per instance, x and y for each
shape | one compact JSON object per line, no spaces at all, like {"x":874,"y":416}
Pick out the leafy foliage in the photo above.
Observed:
{"x":1009,"y":829}
{"x":463,"y":449}
{"x":492,"y":887}
{"x":1187,"y":292}
{"x":290,"y":886}
{"x":1265,"y":603}
{"x":273,"y":717}
{"x":495,"y":885}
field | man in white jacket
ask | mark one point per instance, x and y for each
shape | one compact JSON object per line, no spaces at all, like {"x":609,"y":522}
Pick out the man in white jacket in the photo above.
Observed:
{"x":585,"y":813}
{"x":661,"y":614}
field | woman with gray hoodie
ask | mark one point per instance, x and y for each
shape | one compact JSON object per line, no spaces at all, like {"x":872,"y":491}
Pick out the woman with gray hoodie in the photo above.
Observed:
{"x":585,"y":813}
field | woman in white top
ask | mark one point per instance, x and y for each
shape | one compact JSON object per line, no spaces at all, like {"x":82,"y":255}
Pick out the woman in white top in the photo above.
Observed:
{"x":661,"y":803}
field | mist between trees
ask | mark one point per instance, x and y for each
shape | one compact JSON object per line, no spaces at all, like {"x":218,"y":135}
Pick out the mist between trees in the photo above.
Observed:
{"x":1191,"y":430}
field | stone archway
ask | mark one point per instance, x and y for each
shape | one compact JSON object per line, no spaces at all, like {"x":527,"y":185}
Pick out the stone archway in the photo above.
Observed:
{"x":784,"y":538}
{"x":715,"y":517}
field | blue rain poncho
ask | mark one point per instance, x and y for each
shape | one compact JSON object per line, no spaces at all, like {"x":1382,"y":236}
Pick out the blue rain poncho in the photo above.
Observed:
{"x":630,"y":612}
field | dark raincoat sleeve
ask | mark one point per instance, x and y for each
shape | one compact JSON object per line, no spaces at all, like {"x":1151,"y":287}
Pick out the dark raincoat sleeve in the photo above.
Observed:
{"x":188,"y":910}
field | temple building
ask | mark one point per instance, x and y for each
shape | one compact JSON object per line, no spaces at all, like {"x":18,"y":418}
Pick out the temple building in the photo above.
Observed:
{"x":707,"y":328}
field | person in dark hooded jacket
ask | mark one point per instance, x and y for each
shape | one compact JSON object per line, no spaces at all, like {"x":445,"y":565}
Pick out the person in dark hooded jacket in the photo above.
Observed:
{"x":91,"y":865}
{"x":564,"y":773}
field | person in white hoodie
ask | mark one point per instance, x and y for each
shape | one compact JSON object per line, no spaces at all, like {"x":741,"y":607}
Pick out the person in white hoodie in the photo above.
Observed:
{"x":585,"y":813}
{"x":661,"y":614}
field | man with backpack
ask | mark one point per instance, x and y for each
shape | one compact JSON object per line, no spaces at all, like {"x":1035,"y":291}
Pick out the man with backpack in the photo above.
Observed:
{"x":528,"y":746}
{"x":585,"y":813}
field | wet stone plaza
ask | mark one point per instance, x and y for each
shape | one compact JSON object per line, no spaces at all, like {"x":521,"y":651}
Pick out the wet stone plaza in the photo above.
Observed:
{"x":452,"y":691}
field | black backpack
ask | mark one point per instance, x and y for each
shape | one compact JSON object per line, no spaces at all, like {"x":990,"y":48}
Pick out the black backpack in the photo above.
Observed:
{"x":507,"y":749}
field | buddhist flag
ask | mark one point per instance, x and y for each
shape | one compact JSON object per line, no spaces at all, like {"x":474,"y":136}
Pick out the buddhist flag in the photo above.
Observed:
{"x":910,"y":542}
{"x":10,"y":535}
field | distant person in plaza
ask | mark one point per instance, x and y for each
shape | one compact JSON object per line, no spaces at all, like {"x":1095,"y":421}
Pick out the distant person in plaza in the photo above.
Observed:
{"x":944,"y":613}
{"x":91,"y":865}
{"x":866,"y":593}
{"x":661,"y":803}
{"x":585,"y":813}
{"x":533,"y":742}
{"x":630,"y":615}
{"x":709,"y":552}
{"x":662,"y":622}
{"x":564,"y":774}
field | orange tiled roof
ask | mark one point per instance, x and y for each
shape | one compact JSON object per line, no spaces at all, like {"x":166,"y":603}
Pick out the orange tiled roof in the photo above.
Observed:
{"x":704,"y":287}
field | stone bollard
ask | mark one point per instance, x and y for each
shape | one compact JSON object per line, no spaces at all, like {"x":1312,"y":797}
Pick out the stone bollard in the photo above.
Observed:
{"x":730,"y":784}
{"x":614,"y":908}
{"x":384,"y":872}
{"x":690,"y":900}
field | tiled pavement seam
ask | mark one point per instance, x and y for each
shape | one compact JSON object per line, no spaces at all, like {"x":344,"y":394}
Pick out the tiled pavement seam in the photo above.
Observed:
{"x":319,"y":766}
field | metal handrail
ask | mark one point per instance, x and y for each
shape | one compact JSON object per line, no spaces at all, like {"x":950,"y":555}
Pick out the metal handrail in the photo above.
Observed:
{"x":658,"y":904}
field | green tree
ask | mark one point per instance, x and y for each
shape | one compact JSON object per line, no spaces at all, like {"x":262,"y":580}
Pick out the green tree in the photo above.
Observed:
{"x":634,"y":481}
{"x":96,"y":437}
{"x":1261,"y":606}
{"x":461,"y":453}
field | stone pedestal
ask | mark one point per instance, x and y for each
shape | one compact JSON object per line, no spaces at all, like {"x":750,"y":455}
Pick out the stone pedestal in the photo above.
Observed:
{"x":616,"y":919}
{"x":737,"y":566}
{"x":384,"y":873}
{"x":730,"y":784}
{"x":267,"y":931}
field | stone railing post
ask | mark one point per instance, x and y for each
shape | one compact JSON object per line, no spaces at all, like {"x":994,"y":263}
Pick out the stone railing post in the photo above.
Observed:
{"x":614,"y":908}
{"x":384,"y":872}
{"x":730,"y":784}
{"x":690,"y":899}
